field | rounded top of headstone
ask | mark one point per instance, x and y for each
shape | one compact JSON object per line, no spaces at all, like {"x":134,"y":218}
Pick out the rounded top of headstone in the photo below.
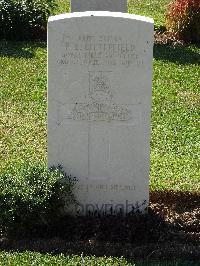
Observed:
{"x":95,"y":14}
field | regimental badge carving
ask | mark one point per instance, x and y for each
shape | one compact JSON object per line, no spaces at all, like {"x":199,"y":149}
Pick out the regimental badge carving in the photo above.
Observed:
{"x":100,"y":106}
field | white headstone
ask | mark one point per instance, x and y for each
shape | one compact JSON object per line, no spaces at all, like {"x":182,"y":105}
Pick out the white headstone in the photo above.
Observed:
{"x":99,"y":5}
{"x":99,"y":106}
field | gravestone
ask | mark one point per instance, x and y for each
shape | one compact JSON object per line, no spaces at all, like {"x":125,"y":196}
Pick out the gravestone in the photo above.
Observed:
{"x":99,"y":5}
{"x":99,"y":107}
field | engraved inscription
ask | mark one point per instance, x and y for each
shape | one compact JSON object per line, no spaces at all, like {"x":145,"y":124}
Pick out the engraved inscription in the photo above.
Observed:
{"x":97,"y":50}
{"x":100,"y":106}
{"x":105,"y":187}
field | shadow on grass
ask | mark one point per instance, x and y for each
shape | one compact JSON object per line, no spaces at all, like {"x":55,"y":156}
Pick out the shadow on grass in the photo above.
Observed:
{"x":20,"y":49}
{"x":178,"y":55}
{"x":169,"y":231}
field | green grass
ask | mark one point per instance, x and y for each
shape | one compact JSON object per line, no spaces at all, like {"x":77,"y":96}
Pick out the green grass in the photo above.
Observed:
{"x":151,"y":8}
{"x":29,"y":258}
{"x":175,"y":127}
{"x":63,"y":6}
{"x":175,"y":121}
{"x":23,"y":103}
{"x":32,"y":258}
{"x":175,"y":143}
{"x":176,"y":99}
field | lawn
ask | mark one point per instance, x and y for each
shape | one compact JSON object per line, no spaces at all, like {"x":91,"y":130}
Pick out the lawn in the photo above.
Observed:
{"x":29,"y":258}
{"x":175,"y":135}
{"x":33,"y":258}
{"x":175,"y":138}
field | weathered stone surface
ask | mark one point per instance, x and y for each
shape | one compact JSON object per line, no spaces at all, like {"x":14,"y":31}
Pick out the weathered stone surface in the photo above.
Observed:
{"x":99,"y":5}
{"x":99,"y":106}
